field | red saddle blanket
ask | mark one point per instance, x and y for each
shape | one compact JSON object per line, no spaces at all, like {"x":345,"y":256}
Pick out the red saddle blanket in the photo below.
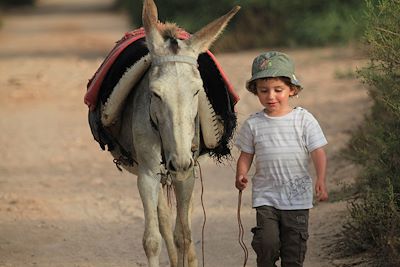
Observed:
{"x":94,"y":84}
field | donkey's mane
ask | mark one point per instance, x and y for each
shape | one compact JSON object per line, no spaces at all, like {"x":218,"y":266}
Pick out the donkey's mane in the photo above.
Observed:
{"x":170,"y":31}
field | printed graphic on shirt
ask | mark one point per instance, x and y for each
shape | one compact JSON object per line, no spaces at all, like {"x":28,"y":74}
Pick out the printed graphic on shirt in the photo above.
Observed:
{"x":298,"y":187}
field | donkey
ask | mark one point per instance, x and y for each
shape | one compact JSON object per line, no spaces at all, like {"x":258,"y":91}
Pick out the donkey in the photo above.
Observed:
{"x":159,"y":123}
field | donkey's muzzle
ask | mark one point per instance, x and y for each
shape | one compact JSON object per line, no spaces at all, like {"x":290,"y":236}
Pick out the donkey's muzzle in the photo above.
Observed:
{"x":175,"y":164}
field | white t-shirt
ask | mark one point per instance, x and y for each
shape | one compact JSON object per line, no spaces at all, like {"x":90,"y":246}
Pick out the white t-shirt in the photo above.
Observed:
{"x":281,"y":146}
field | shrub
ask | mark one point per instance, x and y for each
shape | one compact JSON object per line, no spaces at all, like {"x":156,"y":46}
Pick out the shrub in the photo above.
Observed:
{"x":263,"y":23}
{"x":374,"y":216}
{"x":374,"y":225}
{"x":16,"y":2}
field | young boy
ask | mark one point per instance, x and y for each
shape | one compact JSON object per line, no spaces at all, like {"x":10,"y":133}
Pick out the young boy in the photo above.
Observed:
{"x":281,"y":138}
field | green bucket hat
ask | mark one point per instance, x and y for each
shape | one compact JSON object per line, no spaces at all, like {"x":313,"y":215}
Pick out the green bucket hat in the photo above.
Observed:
{"x":273,"y":64}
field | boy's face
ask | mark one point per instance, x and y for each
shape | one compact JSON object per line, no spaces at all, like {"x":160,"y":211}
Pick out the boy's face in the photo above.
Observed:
{"x":274,"y":96}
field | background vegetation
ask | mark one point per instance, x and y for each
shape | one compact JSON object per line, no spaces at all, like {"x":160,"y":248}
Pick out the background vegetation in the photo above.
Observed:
{"x":263,"y":23}
{"x":374,"y":219}
{"x":12,"y":3}
{"x":16,"y":2}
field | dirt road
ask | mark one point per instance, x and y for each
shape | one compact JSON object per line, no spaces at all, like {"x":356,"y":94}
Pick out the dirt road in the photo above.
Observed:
{"x":63,"y":202}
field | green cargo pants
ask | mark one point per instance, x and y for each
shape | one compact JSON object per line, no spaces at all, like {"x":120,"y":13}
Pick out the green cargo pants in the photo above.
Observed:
{"x":280,"y":233}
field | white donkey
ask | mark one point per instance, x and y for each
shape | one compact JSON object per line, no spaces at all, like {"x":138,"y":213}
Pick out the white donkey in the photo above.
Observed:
{"x":160,"y":123}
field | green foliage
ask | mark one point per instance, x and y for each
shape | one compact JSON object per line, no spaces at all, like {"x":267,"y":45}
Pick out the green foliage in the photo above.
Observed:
{"x":16,"y":2}
{"x":373,"y":225}
{"x":376,"y":144}
{"x":263,"y":23}
{"x":345,"y":74}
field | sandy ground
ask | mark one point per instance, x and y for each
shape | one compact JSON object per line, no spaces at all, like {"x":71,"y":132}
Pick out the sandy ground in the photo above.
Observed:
{"x":63,"y":202}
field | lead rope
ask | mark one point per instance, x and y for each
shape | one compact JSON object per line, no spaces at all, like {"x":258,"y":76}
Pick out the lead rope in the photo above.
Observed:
{"x":183,"y":234}
{"x":204,"y":213}
{"x":241,"y":230}
{"x":204,"y":221}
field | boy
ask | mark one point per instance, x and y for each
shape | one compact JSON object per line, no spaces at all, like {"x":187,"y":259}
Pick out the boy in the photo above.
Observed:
{"x":281,"y":138}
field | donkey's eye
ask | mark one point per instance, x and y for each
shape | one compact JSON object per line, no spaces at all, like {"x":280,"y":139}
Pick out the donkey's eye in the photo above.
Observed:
{"x":157,"y":96}
{"x":197,"y":92}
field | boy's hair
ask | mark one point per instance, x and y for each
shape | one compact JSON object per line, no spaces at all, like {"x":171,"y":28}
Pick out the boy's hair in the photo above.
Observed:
{"x":252,"y":85}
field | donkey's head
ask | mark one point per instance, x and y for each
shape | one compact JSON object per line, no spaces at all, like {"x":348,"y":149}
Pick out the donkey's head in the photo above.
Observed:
{"x":174,"y":83}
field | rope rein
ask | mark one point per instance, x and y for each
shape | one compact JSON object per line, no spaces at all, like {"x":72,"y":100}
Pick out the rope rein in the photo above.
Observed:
{"x":241,"y":230}
{"x":204,"y":213}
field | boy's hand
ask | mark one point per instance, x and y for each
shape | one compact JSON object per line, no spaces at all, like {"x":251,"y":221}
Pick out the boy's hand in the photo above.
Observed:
{"x":320,"y":191}
{"x":241,"y":182}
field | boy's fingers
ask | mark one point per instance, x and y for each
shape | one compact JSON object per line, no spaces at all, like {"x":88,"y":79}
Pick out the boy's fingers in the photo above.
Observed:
{"x":241,"y":182}
{"x":242,"y":178}
{"x":240,"y":185}
{"x":322,"y":196}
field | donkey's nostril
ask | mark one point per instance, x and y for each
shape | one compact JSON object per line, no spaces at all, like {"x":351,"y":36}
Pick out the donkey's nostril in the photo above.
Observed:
{"x":191,"y":163}
{"x":170,"y":166}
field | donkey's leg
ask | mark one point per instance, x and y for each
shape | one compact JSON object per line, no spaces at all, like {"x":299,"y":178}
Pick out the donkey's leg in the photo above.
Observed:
{"x":148,"y":189}
{"x":183,"y":232}
{"x":164,"y":219}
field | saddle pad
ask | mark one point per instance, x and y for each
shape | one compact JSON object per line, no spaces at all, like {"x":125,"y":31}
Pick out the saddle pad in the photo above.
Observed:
{"x":126,"y":53}
{"x":94,"y":84}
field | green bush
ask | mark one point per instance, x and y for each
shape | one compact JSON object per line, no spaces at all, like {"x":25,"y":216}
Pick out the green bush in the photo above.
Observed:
{"x":16,"y":2}
{"x":374,"y":217}
{"x":263,"y":23}
{"x":374,"y":225}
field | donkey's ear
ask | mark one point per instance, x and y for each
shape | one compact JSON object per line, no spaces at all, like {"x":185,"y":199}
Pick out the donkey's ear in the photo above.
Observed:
{"x":150,"y":21}
{"x":202,"y":40}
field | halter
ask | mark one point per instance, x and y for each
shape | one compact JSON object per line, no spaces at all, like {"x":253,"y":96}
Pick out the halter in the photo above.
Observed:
{"x":158,"y":60}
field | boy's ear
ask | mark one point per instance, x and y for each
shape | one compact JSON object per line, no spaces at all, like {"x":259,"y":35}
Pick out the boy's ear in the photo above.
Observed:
{"x":294,"y":90}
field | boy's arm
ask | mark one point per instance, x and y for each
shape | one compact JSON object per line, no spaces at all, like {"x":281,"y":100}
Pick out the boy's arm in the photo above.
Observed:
{"x":318,"y":157}
{"x":242,"y":167}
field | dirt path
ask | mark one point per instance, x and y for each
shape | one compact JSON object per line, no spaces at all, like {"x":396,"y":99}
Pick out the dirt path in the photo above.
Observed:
{"x":62,"y":201}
